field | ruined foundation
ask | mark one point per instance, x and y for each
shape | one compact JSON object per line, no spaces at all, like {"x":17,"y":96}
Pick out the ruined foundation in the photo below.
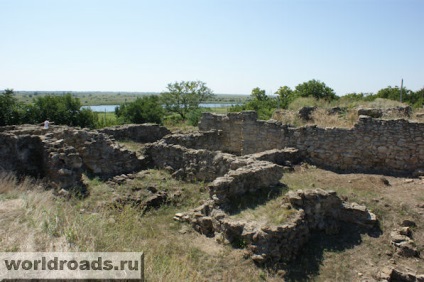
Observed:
{"x":237,"y":155}
{"x":393,"y":147}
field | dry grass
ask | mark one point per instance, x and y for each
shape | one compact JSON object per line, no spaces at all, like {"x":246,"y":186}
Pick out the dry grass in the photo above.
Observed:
{"x":10,"y":184}
{"x":347,"y":119}
{"x":173,"y":251}
{"x":180,"y":127}
{"x":32,"y":219}
{"x":18,"y":202}
{"x":287,"y":117}
{"x":271,"y":213}
{"x":321,"y":118}
{"x":418,"y":115}
{"x":381,"y":103}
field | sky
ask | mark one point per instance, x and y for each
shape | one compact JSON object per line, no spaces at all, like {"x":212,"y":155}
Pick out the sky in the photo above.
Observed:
{"x":231,"y":45}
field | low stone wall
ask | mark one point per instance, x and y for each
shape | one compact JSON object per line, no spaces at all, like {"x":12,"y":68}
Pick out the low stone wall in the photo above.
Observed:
{"x":101,"y":156}
{"x":61,"y":154}
{"x":208,"y":140}
{"x":249,"y":178}
{"x":314,"y":210}
{"x":143,"y":133}
{"x":250,"y":174}
{"x":227,"y":171}
{"x":372,"y":145}
{"x":22,"y":154}
{"x":286,"y":156}
{"x":231,"y":130}
{"x":188,"y":164}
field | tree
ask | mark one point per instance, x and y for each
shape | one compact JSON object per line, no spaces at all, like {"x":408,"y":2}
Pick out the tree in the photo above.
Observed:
{"x":62,"y":109}
{"x":356,"y":97}
{"x":286,"y":95}
{"x":87,"y":118}
{"x":10,"y":108}
{"x":259,"y":94}
{"x":185,"y":96}
{"x":260,"y":103}
{"x":142,"y":110}
{"x":418,"y":100}
{"x":393,"y":93}
{"x":317,"y":89}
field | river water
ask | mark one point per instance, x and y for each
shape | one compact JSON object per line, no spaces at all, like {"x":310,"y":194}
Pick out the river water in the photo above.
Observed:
{"x":111,"y":108}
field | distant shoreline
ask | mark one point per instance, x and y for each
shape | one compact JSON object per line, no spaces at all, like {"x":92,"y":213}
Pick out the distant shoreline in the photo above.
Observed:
{"x":95,"y":98}
{"x":111,"y":108}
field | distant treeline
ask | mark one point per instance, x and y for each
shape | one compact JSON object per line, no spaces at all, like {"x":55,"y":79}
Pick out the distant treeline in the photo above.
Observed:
{"x":315,"y":89}
{"x":178,"y":104}
{"x":93,"y":98}
{"x":62,"y":109}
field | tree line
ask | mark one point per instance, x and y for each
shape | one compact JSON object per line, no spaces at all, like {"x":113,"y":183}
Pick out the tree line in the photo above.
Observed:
{"x":181,"y":101}
{"x":63,"y":109}
{"x":265,"y":105}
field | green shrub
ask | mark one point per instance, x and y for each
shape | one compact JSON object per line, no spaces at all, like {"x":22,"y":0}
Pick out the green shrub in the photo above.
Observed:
{"x":142,"y":110}
{"x":193,"y":116}
{"x":11,"y":111}
{"x":172,"y":120}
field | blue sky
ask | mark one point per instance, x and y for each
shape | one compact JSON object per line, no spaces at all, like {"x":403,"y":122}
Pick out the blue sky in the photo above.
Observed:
{"x":232,"y":45}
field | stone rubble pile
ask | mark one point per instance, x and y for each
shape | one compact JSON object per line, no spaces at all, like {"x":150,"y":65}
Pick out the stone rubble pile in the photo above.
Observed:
{"x":392,"y":274}
{"x":401,"y":239}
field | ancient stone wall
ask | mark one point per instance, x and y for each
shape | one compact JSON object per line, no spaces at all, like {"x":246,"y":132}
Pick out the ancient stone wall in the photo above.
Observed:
{"x":231,"y":175}
{"x":61,"y":154}
{"x":208,"y":140}
{"x":231,"y":127}
{"x":22,"y":154}
{"x":249,"y":178}
{"x":101,"y":156}
{"x":312,"y":210}
{"x":372,"y":145}
{"x":188,"y":164}
{"x":142,"y":133}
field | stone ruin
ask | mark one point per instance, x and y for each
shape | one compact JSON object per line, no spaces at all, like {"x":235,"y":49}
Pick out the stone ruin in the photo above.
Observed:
{"x":237,"y":155}
{"x":314,"y":210}
{"x":61,"y":154}
{"x":306,"y":113}
{"x":390,"y":147}
{"x":402,"y":112}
